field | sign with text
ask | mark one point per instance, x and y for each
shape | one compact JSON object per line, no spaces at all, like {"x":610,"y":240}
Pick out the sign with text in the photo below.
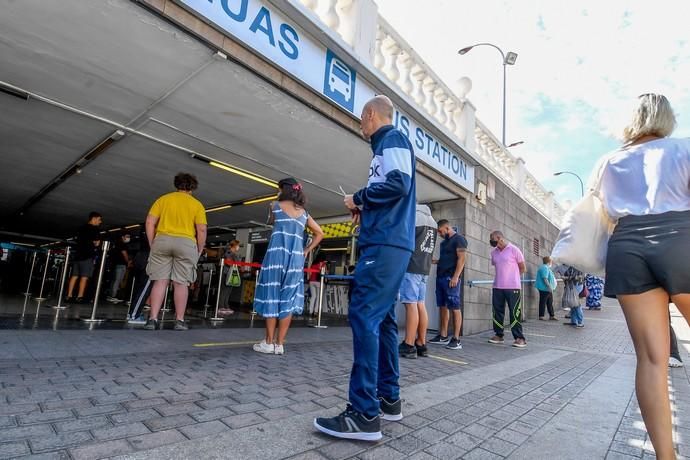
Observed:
{"x":259,"y":237}
{"x":267,"y":31}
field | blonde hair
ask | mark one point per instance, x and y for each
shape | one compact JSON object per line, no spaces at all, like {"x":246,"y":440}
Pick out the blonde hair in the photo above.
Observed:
{"x":653,"y":116}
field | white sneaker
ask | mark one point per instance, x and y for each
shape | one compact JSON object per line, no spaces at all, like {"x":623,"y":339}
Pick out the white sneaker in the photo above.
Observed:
{"x":673,"y":362}
{"x":263,"y":347}
{"x":279,"y":349}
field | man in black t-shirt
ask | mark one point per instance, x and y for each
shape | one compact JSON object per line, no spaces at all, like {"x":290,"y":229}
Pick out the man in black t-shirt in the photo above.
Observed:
{"x":88,"y":240}
{"x":449,"y":290}
{"x":413,"y":287}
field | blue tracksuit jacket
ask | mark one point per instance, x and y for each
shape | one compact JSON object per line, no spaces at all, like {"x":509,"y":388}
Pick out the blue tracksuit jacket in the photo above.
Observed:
{"x":388,"y":201}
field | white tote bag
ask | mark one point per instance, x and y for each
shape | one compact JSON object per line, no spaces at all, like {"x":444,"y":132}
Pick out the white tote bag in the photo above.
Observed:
{"x":584,"y":237}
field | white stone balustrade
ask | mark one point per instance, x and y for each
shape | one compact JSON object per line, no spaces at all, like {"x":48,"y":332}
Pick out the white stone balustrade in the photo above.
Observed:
{"x":449,"y":110}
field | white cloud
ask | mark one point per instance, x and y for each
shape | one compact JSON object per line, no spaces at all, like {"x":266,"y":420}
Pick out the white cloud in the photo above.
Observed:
{"x":585,"y":60}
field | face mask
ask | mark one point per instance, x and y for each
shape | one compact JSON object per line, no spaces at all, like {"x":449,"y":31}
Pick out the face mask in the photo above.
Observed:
{"x":493,"y":243}
{"x":126,"y":240}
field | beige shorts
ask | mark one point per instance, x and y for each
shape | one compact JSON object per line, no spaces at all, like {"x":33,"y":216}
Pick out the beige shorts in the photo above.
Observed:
{"x":173,"y":258}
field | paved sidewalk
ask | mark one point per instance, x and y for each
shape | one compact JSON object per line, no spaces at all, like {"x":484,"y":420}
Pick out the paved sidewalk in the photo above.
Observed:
{"x":155,"y":395}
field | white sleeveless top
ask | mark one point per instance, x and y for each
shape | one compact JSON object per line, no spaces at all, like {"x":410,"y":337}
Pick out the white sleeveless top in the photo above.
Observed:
{"x":649,"y":178}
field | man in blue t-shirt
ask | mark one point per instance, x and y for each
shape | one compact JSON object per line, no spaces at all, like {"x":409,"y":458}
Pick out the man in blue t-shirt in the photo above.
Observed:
{"x":545,"y":283}
{"x":450,"y":266}
{"x":386,"y":207}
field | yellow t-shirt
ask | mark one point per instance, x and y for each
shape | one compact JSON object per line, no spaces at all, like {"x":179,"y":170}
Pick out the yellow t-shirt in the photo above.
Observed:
{"x":178,"y":212}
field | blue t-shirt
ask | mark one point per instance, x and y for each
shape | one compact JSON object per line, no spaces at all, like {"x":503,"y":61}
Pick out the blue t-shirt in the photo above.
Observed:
{"x":448,"y":259}
{"x":545,"y":272}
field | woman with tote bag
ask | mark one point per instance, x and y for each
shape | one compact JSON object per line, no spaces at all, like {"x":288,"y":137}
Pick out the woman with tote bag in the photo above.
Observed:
{"x":644,"y":186}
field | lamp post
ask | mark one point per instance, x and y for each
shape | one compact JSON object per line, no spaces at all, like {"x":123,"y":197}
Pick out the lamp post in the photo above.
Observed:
{"x":582,"y":185}
{"x":508,"y":59}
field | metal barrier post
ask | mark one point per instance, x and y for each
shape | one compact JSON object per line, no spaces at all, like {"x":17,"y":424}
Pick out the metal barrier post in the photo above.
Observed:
{"x":256,"y":284}
{"x":59,"y":305}
{"x":131,"y":297}
{"x":221,"y":263}
{"x":321,"y":289}
{"x":93,"y":319}
{"x":40,"y":297}
{"x":131,"y":292}
{"x":208,"y":292}
{"x":31,"y":274}
{"x":165,"y":302}
{"x":165,"y":308}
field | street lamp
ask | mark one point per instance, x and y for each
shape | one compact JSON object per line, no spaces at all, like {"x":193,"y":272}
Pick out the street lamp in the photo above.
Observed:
{"x":508,"y":59}
{"x":582,"y":185}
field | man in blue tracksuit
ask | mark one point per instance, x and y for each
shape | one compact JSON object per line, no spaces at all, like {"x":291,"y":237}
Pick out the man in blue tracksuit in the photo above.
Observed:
{"x":386,"y":207}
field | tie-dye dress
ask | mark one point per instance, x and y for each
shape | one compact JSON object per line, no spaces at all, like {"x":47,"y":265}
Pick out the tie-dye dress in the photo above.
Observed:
{"x":280,"y":288}
{"x":595,"y":286}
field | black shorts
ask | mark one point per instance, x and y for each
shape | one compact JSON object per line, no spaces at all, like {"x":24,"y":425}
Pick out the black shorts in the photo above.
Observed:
{"x":648,"y":252}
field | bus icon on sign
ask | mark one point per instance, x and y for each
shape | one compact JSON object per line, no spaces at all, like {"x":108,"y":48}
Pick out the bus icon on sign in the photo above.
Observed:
{"x":339,"y":82}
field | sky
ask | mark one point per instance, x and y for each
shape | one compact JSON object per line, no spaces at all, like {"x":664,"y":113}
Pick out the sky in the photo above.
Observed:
{"x":580,"y":66}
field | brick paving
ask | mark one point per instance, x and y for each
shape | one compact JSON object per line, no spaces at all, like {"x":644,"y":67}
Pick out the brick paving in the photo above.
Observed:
{"x":130,"y":404}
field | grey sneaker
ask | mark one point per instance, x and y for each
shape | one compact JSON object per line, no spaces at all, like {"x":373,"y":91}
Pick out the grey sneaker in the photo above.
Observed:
{"x":390,"y":410}
{"x":181,"y":325}
{"x":152,"y":325}
{"x":139,"y":320}
{"x":440,"y":340}
{"x":454,"y":344}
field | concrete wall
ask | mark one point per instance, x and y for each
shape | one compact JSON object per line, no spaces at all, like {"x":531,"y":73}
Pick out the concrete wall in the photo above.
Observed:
{"x":519,"y":222}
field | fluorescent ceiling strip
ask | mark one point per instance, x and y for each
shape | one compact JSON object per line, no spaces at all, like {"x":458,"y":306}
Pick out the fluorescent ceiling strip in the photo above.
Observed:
{"x":245,"y":174}
{"x":261,"y":200}
{"x":219,"y":208}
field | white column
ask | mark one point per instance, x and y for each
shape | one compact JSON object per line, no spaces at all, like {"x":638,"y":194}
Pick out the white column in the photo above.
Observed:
{"x":519,"y":173}
{"x":363,"y":16}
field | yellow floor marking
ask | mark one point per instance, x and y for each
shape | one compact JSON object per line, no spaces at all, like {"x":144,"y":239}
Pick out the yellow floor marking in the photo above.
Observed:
{"x":447,"y":359}
{"x":222,"y":344}
{"x":541,"y":335}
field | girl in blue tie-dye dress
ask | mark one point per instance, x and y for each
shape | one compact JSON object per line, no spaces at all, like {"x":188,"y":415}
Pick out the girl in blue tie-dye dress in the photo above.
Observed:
{"x":280,"y":288}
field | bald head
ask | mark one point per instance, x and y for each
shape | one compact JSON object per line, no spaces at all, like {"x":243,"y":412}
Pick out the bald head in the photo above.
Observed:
{"x":377,"y":112}
{"x":381,"y":105}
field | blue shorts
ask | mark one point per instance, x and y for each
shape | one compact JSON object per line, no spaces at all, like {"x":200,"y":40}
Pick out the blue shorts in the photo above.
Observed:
{"x":413,"y":288}
{"x":447,"y":296}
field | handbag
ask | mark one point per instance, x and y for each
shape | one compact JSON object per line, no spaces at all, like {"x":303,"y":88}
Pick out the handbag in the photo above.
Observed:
{"x":584,"y":293}
{"x":583,"y":240}
{"x":233,"y":279}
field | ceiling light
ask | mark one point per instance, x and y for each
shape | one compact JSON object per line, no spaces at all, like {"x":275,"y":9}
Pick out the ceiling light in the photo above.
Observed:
{"x":219,"y":208}
{"x":245,"y":174}
{"x":260,"y":200}
{"x":133,"y":226}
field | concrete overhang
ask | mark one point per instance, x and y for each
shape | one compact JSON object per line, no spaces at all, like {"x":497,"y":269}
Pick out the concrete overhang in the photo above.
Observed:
{"x":101,"y":65}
